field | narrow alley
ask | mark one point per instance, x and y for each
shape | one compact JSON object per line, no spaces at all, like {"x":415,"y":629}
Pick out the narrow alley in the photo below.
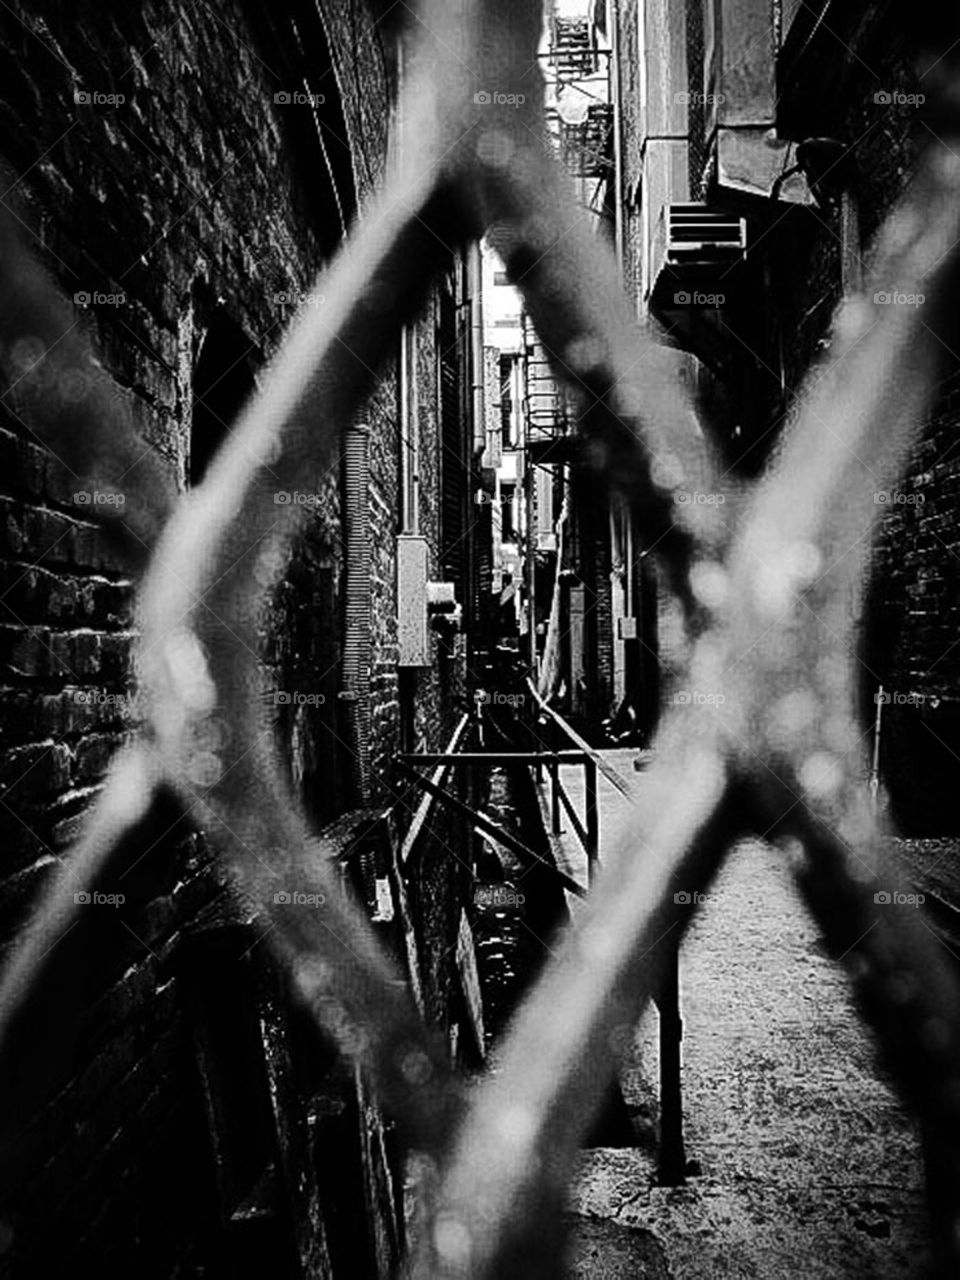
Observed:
{"x":802,"y":1161}
{"x":808,"y":1164}
{"x":479,"y":662}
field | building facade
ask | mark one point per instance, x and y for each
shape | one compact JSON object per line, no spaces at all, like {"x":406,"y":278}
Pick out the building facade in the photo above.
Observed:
{"x":561,"y":583}
{"x":761,"y":148}
{"x":182,"y":174}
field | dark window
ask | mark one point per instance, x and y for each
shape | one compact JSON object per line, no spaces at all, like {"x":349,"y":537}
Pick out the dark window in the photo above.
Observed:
{"x":231,"y":1001}
{"x":222,"y":382}
{"x":506,"y":401}
{"x":507,"y":529}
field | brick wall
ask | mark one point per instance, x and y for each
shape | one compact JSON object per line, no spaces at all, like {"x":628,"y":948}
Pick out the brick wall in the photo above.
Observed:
{"x":183,"y":191}
{"x":430,"y":703}
{"x":183,"y":181}
{"x":913,"y":603}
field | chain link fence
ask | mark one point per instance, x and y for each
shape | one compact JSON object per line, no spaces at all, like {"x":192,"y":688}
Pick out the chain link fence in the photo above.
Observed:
{"x":768,"y":583}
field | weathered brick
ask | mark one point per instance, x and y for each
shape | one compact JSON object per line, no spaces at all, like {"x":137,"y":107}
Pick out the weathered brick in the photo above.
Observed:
{"x":25,"y":652}
{"x":195,"y":199}
{"x":29,"y":773}
{"x":92,"y":755}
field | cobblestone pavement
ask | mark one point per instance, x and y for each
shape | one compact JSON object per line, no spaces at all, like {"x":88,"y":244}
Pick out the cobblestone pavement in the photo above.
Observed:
{"x":809,"y":1166}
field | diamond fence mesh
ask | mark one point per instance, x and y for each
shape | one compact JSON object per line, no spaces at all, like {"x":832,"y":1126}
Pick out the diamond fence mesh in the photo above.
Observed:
{"x":768,"y":583}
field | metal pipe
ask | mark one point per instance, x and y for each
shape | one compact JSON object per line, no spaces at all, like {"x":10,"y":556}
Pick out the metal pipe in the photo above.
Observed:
{"x":443,"y":760}
{"x":616,"y":90}
{"x":875,"y":763}
{"x":529,"y":497}
{"x":409,"y":431}
{"x":611,"y":774}
{"x":673,"y":1160}
{"x":357,"y":646}
{"x":477,"y":387}
{"x":851,"y":264}
{"x":580,"y":830}
{"x":593,"y":815}
{"x":555,"y":797}
{"x":487,"y":824}
{"x":491,"y":757}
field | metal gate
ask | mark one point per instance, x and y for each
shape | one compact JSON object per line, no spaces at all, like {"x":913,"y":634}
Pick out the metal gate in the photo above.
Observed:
{"x":768,"y":585}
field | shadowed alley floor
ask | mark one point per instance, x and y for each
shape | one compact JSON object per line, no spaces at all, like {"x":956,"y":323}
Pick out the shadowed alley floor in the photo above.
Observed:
{"x":809,"y":1166}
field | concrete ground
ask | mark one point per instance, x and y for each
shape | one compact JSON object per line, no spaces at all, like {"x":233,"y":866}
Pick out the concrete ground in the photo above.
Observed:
{"x":809,"y":1166}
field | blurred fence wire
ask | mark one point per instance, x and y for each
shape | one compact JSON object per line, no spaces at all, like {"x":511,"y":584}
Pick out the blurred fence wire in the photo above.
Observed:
{"x":769,"y":583}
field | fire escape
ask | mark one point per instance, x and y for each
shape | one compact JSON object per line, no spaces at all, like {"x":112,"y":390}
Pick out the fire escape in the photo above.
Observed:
{"x":581,"y":117}
{"x":561,"y":546}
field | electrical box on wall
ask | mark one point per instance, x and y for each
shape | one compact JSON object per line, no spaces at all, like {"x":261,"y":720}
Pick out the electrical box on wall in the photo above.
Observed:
{"x":627,"y":628}
{"x":413,"y":636}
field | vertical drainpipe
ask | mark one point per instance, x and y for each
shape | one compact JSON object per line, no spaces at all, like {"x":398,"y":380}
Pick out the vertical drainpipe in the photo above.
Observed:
{"x":634,"y":595}
{"x":477,"y":637}
{"x":852,"y":275}
{"x":530,"y":565}
{"x":357,"y":645}
{"x":409,"y":432}
{"x":616,"y":91}
{"x":475,"y":285}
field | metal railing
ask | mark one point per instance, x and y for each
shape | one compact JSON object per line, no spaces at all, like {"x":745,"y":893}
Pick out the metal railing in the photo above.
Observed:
{"x":587,"y":831}
{"x":768,"y":592}
{"x":472,"y":759}
{"x":672,"y":1160}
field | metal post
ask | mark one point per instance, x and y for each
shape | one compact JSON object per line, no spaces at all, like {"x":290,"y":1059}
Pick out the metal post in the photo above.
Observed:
{"x":555,"y":795}
{"x":531,"y":562}
{"x":673,"y":1161}
{"x":593,"y":816}
{"x":472,"y":840}
{"x":529,"y":501}
{"x":616,"y":93}
{"x":879,"y":698}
